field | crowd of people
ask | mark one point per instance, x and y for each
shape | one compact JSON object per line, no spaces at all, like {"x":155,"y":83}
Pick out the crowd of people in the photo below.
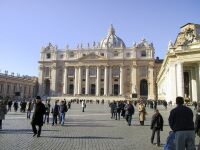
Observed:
{"x":180,"y":119}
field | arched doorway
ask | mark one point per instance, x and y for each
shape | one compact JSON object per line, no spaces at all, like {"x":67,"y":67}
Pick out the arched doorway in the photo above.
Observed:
{"x":93,"y":89}
{"x":71,"y":89}
{"x":116,"y":89}
{"x":47,"y":87}
{"x":143,"y":88}
{"x":101,"y":91}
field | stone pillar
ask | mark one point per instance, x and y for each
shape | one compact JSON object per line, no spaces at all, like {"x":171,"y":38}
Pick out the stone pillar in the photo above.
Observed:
{"x":65,"y":86}
{"x":179,"y":79}
{"x":110,"y":80}
{"x":121,"y":80}
{"x":134,"y":79}
{"x":79,"y":79}
{"x":171,"y":91}
{"x":53,"y":81}
{"x":106,"y":81}
{"x":87,"y":80}
{"x":98,"y":81}
{"x":40,"y":82}
{"x":151,"y":94}
{"x":194,"y":85}
{"x":76,"y":81}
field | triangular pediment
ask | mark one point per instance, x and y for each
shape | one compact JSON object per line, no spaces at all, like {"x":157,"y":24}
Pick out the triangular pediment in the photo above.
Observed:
{"x":92,"y":56}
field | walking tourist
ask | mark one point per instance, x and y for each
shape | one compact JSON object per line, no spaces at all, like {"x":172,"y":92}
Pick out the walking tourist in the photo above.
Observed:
{"x":156,"y":126}
{"x":63,"y":109}
{"x":142,"y":112}
{"x":55,"y":112}
{"x":3,"y":111}
{"x":129,"y":111}
{"x":29,"y":109}
{"x":181,"y":122}
{"x":47,"y":111}
{"x":37,"y":118}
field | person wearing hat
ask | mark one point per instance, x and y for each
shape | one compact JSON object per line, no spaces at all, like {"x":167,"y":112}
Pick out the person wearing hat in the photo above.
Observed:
{"x":37,"y":118}
{"x":181,"y":122}
{"x":3,"y":111}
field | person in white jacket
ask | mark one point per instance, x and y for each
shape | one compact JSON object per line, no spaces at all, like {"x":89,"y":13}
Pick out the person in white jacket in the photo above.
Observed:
{"x":83,"y":105}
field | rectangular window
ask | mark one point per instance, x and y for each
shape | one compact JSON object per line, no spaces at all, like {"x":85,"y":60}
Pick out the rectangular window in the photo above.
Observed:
{"x":71,"y":71}
{"x":48,"y":56}
{"x":143,"y":71}
{"x":47,"y":72}
{"x":8,"y":89}
{"x":143,"y":54}
{"x":128,"y":54}
{"x":92,"y":71}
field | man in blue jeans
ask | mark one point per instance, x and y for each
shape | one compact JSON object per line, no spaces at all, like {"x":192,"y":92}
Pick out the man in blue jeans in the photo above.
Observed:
{"x":181,"y":122}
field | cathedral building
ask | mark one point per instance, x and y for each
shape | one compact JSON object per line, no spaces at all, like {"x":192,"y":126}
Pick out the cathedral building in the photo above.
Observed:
{"x":104,"y":69}
{"x":180,"y":72}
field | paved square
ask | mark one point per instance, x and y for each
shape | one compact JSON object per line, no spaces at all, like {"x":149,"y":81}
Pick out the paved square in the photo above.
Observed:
{"x":91,"y":130}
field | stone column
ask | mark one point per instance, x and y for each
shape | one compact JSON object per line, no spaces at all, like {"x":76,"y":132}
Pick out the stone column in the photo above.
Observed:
{"x":134,"y":79}
{"x":179,"y":79}
{"x":106,"y":81}
{"x":151,"y":94}
{"x":86,"y":80}
{"x":110,"y":80}
{"x":65,"y":86}
{"x":171,"y":91}
{"x":198,"y":79}
{"x":121,"y":81}
{"x":76,"y":81}
{"x":40,"y":81}
{"x":53,"y":81}
{"x":79,"y":80}
{"x":194,"y":85}
{"x":98,"y":81}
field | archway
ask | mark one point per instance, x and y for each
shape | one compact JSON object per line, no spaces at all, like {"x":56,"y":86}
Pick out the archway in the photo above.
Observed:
{"x":93,"y":89}
{"x":71,"y":89}
{"x":116,"y":89}
{"x":143,"y":88}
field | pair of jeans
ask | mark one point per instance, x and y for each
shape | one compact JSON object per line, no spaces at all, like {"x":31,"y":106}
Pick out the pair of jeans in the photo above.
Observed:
{"x":128,"y":119}
{"x":46,"y":117}
{"x":29,"y":114}
{"x":185,"y":140}
{"x":62,"y":118}
{"x":54,"y":119}
{"x":157,"y":131}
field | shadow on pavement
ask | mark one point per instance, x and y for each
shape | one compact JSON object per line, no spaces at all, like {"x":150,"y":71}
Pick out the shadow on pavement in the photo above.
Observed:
{"x":85,"y":125}
{"x":84,"y":137}
{"x":19,"y":131}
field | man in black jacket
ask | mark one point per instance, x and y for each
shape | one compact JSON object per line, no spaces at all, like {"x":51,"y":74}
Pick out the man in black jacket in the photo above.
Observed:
{"x":156,"y":126}
{"x":181,"y":122}
{"x":37,"y":118}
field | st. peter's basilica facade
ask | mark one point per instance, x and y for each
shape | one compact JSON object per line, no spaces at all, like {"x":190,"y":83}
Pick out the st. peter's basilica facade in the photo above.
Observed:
{"x":107,"y":68}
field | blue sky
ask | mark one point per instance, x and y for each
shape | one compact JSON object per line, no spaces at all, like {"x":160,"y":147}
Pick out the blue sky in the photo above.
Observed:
{"x":27,"y":25}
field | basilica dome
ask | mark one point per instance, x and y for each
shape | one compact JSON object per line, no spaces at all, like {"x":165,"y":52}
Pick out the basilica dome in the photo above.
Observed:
{"x":111,"y":40}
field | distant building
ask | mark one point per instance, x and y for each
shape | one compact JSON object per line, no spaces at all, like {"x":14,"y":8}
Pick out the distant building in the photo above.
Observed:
{"x":180,"y":71}
{"x":107,"y":68}
{"x":12,"y":86}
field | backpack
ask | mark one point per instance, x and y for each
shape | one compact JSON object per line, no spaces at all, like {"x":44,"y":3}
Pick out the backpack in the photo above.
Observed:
{"x":170,"y":145}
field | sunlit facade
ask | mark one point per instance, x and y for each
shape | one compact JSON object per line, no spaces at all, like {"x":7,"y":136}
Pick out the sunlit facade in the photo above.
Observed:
{"x":107,"y":68}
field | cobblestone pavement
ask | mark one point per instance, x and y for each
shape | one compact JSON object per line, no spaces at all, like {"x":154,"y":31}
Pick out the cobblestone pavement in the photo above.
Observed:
{"x":91,"y":130}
